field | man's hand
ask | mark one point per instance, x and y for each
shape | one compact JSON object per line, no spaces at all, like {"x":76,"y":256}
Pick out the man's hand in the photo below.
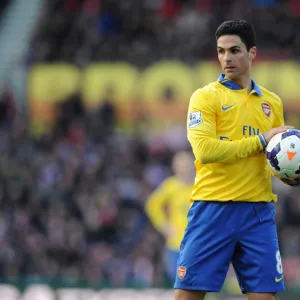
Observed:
{"x":269,"y":134}
{"x":291,"y":181}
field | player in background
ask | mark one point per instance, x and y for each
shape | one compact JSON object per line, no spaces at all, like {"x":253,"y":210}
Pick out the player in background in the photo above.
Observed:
{"x":231,"y":218}
{"x":168,"y":205}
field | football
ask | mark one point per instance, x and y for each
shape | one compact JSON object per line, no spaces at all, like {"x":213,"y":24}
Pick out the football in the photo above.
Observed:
{"x":283,"y":154}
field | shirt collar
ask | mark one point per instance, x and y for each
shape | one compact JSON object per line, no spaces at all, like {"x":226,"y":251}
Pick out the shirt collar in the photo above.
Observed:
{"x":233,"y":86}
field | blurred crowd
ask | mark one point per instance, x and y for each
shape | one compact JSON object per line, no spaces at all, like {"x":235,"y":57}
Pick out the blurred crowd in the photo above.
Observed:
{"x":144,"y":31}
{"x":3,"y":5}
{"x":72,"y":201}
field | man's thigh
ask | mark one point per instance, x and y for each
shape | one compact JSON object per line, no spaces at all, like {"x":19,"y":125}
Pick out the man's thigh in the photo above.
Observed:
{"x":257,"y":260}
{"x":261,"y":296}
{"x":207,"y":247}
{"x":189,"y":295}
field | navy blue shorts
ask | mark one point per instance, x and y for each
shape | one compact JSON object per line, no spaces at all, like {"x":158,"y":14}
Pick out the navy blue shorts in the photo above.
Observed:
{"x":220,"y":233}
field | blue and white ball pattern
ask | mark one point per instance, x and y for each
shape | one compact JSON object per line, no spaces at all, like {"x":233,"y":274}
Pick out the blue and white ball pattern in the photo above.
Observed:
{"x":283,"y":154}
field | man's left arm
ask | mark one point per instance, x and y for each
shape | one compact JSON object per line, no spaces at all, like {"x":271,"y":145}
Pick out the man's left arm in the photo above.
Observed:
{"x":279,"y":121}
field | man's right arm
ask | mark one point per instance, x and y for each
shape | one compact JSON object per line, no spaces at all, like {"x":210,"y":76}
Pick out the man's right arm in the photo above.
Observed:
{"x":202,"y":135}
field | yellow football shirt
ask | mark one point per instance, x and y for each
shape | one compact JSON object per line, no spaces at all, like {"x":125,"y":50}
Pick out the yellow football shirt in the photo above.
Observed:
{"x":167,"y":208}
{"x":225,"y":126}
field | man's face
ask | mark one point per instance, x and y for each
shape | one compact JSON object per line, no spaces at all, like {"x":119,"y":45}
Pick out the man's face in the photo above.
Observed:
{"x":233,"y":56}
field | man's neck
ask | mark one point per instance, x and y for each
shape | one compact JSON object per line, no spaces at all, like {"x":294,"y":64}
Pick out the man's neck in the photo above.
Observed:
{"x":244,"y":83}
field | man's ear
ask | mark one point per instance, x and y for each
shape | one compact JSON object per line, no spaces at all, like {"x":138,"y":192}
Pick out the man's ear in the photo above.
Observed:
{"x":252,"y":52}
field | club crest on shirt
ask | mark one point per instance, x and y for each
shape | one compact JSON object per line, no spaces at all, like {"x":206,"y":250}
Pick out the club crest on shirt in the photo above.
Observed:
{"x":195,"y":119}
{"x":181,"y":271}
{"x":266,"y":109}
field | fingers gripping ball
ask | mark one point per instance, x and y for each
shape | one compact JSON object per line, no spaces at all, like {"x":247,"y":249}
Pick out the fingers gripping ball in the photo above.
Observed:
{"x":283,"y":154}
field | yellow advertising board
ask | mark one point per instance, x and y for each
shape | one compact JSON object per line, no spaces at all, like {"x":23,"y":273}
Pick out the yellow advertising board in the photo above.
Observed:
{"x":160,"y":91}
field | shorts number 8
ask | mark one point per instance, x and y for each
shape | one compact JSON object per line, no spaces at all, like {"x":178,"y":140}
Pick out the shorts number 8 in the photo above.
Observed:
{"x":279,"y":263}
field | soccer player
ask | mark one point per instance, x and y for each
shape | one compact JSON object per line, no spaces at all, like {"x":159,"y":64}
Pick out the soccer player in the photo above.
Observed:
{"x":231,"y":219}
{"x":168,"y":205}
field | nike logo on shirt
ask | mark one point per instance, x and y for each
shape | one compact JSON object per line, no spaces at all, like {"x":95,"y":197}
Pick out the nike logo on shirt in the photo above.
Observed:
{"x":224,"y":108}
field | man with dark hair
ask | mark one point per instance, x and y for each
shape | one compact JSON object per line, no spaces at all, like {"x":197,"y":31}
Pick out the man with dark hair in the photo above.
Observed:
{"x":231,"y":219}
